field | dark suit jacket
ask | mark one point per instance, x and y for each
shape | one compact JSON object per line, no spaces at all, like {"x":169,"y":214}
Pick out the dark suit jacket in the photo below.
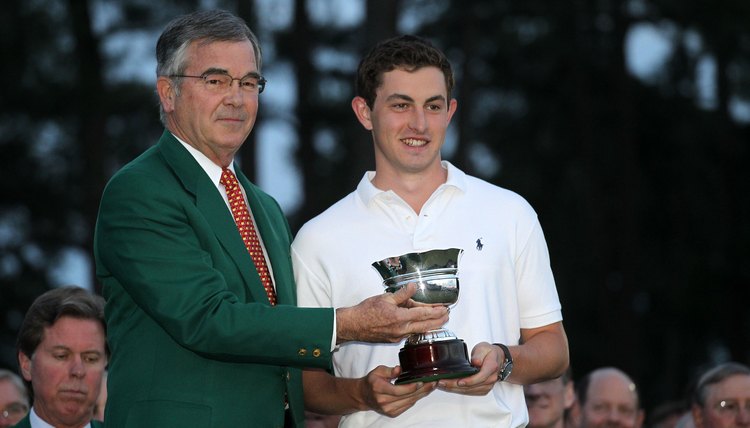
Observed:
{"x":194,"y":341}
{"x":26,"y":423}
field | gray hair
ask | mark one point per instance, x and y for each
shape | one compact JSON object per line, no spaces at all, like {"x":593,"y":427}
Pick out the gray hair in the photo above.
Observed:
{"x":207,"y":26}
{"x":715,"y":375}
{"x":16,"y":381}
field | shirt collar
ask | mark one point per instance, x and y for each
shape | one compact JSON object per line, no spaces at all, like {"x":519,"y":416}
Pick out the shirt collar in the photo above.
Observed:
{"x":213,"y":170}
{"x":367,"y":191}
{"x":36,"y":422}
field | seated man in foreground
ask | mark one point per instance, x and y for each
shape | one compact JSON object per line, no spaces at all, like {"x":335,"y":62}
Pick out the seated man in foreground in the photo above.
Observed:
{"x":62,"y":352}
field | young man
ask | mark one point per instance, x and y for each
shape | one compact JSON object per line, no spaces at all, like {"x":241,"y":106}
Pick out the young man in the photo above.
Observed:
{"x":415,"y":202}
{"x":609,"y":399}
{"x":62,"y":353}
{"x":194,"y":258}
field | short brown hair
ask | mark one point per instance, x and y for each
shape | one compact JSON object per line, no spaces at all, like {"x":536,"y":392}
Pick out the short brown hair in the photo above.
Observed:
{"x":406,"y":52}
{"x":52,"y":305}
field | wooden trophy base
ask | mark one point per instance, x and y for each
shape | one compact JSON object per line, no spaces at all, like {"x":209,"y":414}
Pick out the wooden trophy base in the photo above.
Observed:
{"x":427,"y":362}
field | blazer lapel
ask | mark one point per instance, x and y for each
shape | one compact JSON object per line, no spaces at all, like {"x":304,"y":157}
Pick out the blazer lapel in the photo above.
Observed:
{"x":210,"y":203}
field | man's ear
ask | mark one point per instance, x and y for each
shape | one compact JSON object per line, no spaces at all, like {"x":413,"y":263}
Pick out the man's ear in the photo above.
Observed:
{"x":697,"y":412}
{"x":166,"y":90}
{"x":452,"y":106}
{"x":569,"y":394}
{"x":362,"y":111}
{"x":640,"y":418}
{"x":24,"y":362}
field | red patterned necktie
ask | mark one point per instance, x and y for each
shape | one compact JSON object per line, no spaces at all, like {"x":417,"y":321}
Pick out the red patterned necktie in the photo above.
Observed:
{"x":247,"y":230}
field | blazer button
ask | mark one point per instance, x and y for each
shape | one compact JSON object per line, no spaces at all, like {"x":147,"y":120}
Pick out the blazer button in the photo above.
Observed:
{"x":302,"y":352}
{"x":316,"y":352}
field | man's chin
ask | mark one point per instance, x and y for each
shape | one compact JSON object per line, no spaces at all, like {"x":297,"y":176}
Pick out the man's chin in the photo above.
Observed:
{"x":72,"y":416}
{"x":234,"y":140}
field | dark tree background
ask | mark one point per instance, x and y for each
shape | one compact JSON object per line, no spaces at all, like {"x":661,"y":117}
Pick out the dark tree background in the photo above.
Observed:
{"x":641,"y":183}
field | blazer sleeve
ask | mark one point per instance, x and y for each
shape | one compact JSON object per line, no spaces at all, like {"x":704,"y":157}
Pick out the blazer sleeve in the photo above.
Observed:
{"x":154,"y":246}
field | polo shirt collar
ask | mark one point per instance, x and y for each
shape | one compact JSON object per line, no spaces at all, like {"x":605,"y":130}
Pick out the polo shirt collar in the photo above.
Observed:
{"x":368,"y":192}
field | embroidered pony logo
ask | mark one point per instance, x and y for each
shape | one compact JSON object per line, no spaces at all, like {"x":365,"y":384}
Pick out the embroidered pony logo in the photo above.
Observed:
{"x":479,"y":244}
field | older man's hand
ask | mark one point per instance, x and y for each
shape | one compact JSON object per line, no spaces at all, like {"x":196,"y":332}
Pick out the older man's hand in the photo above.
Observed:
{"x":388,"y":318}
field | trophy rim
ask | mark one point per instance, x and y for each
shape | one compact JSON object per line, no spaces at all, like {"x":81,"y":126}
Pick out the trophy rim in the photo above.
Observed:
{"x":385,"y":269}
{"x":434,"y":271}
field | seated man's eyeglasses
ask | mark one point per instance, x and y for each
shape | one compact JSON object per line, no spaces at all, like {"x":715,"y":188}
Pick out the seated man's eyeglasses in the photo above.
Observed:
{"x":221,"y":82}
{"x":14,"y":411}
{"x":731,"y":408}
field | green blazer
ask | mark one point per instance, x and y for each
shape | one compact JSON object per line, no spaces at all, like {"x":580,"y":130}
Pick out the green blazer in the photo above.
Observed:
{"x":194,"y":341}
{"x":26,"y":423}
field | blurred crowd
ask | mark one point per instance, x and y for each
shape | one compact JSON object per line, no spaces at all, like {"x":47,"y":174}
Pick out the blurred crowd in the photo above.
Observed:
{"x":608,"y":397}
{"x":62,"y":356}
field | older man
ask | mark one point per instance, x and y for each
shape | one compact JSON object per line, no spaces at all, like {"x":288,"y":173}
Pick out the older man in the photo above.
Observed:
{"x":14,"y":399}
{"x":549,"y":401}
{"x":609,"y":398}
{"x":722,"y":397}
{"x":62,"y":352}
{"x":195,"y":264}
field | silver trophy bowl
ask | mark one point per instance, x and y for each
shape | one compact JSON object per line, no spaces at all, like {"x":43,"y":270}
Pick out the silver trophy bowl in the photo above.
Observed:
{"x":435,"y":272}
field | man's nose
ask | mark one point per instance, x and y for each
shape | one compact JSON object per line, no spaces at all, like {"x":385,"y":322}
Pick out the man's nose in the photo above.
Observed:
{"x":614,"y":414}
{"x":235,"y":94}
{"x":77,"y":368}
{"x":743,"y":416}
{"x":418,"y":121}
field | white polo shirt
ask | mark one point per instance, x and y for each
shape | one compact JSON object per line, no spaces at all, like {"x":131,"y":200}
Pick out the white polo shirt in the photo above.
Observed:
{"x":506,"y":282}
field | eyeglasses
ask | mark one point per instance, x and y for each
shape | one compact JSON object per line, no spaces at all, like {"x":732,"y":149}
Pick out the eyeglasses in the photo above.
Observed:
{"x":221,"y":82}
{"x":14,"y":410}
{"x":731,"y":408}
